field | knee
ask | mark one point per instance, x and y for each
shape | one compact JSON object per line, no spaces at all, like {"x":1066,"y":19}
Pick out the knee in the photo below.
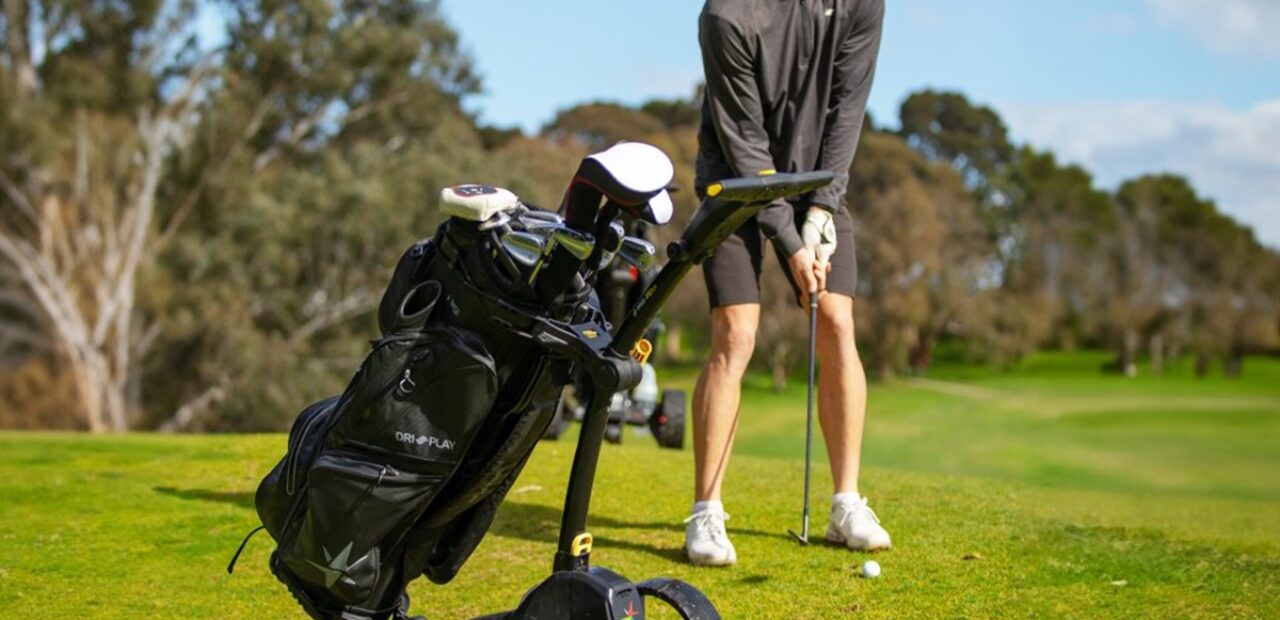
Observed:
{"x":836,"y":322}
{"x":732,"y":345}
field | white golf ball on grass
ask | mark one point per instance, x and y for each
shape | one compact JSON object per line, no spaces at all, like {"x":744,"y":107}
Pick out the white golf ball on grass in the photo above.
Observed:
{"x":870,"y":569}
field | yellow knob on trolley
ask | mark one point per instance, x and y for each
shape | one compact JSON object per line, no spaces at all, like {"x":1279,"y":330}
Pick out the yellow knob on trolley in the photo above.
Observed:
{"x":642,"y":350}
{"x":581,"y":544}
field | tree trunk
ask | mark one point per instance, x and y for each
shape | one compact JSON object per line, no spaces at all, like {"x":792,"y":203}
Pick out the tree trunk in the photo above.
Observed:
{"x":1128,"y":357}
{"x":922,"y":354}
{"x":671,"y":343}
{"x":17,"y":17}
{"x":1202,"y":364}
{"x":778,"y":366}
{"x":1156,"y":346}
{"x":1233,"y":365}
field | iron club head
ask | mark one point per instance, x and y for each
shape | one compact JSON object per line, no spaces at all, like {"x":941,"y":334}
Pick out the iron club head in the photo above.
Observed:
{"x":525,"y":247}
{"x":576,"y":242}
{"x":638,"y":252}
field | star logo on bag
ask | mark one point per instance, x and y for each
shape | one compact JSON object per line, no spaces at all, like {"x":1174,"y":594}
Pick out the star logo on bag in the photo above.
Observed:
{"x":338,"y":565}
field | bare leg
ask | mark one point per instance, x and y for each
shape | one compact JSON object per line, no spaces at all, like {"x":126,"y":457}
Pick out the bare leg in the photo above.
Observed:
{"x":715,"y":399}
{"x":842,"y":390}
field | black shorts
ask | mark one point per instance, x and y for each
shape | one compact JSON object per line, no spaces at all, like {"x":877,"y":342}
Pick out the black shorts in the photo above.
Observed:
{"x":733,"y":272}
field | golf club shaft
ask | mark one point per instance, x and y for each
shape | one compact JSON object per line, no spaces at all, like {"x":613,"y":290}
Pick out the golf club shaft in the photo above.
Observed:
{"x":808,"y":433}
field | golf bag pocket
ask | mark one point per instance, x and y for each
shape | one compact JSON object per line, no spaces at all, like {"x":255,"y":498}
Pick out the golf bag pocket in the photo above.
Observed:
{"x":357,"y":514}
{"x":275,"y":496}
{"x":431,"y":405}
{"x":410,"y":270}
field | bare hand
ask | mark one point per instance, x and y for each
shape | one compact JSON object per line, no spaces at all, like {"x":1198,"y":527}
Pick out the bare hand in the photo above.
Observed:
{"x":805,"y":271}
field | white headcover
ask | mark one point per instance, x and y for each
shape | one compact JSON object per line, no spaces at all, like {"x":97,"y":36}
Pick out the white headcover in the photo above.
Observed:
{"x":641,"y":167}
{"x":660,"y":208}
{"x":476,"y":203}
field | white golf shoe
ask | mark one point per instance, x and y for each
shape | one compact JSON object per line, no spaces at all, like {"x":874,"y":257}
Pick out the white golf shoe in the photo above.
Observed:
{"x":856,"y":526}
{"x":705,"y":540}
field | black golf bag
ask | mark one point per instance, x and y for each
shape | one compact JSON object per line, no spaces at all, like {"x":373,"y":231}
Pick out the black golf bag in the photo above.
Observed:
{"x":402,"y":474}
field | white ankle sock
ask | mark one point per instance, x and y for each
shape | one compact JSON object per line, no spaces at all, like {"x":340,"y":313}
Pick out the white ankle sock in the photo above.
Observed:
{"x":848,"y":497}
{"x":711,"y":505}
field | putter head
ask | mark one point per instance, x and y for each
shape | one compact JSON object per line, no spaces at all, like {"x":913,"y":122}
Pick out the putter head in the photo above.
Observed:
{"x":525,"y":247}
{"x":639,"y":253}
{"x":804,"y":540}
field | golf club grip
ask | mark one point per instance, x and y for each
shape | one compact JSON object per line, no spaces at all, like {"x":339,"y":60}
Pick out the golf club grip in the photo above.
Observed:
{"x":557,"y":275}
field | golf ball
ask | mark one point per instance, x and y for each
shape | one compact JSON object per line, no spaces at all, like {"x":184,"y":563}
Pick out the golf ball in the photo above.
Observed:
{"x":870,"y":569}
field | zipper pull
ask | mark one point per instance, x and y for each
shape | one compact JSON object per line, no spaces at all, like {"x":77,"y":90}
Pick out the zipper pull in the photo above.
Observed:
{"x":406,"y":383}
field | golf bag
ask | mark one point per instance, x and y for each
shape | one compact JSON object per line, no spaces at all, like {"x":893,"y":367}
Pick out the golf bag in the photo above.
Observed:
{"x":402,"y":474}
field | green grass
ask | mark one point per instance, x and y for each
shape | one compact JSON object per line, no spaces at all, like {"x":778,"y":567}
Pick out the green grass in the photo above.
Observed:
{"x":1085,"y":496}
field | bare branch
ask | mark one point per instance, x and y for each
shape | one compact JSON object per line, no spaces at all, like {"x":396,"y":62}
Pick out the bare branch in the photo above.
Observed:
{"x":300,"y":131}
{"x":189,"y":201}
{"x":18,"y":199}
{"x":14,"y":334}
{"x":139,"y":222}
{"x":334,"y":314}
{"x":194,"y":408}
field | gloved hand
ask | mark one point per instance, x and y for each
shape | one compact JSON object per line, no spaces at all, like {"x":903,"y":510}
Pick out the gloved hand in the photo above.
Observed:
{"x":819,"y":235}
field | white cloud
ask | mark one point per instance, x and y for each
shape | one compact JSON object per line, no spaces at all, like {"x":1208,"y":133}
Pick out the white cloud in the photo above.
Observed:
{"x":1236,"y":26}
{"x":1231,"y":156}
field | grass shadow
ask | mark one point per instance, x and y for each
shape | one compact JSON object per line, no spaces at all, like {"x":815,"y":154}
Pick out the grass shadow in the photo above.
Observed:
{"x":530,"y":522}
{"x":243,"y":499}
{"x":539,"y":523}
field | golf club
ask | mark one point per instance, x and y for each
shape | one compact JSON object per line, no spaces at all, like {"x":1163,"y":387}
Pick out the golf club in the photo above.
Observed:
{"x":575,"y":243}
{"x":531,"y":214}
{"x":608,"y":244}
{"x":803,"y":536}
{"x":524,"y":247}
{"x":638,"y":253}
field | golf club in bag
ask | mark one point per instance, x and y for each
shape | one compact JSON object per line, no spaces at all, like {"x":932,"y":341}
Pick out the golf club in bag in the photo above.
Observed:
{"x":402,"y":474}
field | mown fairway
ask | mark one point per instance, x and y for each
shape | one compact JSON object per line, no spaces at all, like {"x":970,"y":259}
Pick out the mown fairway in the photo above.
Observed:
{"x":1072,"y":494}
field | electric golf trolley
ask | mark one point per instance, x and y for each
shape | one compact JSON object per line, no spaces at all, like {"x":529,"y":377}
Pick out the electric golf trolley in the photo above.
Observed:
{"x":483,"y":325}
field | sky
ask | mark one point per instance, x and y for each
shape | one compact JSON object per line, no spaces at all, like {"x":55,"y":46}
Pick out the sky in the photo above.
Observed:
{"x":1122,"y":87}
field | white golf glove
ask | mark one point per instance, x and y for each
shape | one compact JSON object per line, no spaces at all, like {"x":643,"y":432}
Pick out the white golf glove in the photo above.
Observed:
{"x":819,"y":234}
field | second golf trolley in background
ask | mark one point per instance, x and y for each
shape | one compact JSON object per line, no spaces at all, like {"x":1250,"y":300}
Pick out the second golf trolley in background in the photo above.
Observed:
{"x":660,"y":412}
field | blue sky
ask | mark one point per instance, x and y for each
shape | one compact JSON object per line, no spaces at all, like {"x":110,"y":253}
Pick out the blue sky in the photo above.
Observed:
{"x":1122,"y":86}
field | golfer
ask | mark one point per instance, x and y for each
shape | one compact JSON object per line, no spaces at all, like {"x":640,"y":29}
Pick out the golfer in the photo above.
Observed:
{"x":786,"y":90}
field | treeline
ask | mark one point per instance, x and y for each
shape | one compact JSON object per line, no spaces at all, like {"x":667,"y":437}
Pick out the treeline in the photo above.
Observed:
{"x":981,"y":250}
{"x":192,"y":237}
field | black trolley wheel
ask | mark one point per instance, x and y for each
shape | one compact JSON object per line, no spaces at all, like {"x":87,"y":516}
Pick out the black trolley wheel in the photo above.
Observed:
{"x":667,"y":422}
{"x":687,"y":600}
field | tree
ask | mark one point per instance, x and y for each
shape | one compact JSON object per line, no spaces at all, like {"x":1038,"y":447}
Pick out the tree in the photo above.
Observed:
{"x":599,"y":125}
{"x":945,"y":126}
{"x":347,"y":120}
{"x":1209,"y":264}
{"x":920,"y":252}
{"x":1062,"y":225}
{"x":133,"y":154}
{"x":90,"y":126}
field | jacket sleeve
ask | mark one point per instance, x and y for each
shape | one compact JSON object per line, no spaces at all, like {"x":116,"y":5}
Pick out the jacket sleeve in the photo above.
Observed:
{"x":733,"y":99}
{"x":855,"y":69}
